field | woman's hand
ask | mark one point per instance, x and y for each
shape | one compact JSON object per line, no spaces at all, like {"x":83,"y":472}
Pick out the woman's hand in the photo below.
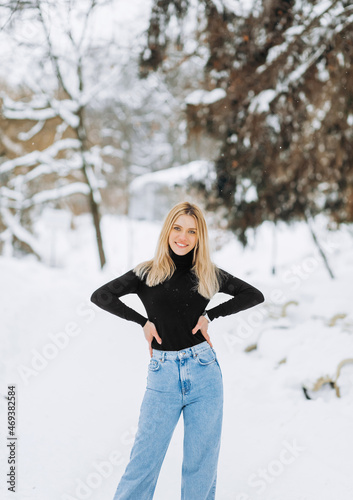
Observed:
{"x":150,"y":332}
{"x":202,"y":325}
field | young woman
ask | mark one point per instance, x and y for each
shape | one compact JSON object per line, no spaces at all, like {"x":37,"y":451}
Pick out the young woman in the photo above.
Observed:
{"x":183,"y":374}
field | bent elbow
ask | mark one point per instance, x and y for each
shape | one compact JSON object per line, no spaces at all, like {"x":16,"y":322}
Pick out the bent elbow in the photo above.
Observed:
{"x":257,"y":297}
{"x":101,"y":297}
{"x":94,"y":298}
{"x":260,"y":297}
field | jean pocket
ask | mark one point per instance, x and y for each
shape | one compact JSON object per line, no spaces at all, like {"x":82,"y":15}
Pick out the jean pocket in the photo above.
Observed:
{"x":206,"y":357}
{"x":154,"y":365}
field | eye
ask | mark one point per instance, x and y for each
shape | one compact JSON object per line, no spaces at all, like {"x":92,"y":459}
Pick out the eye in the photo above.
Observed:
{"x":192,"y":231}
{"x":176,"y":228}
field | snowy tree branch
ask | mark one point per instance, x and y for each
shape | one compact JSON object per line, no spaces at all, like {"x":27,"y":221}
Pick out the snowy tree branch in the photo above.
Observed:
{"x":14,"y":226}
{"x":35,"y":157}
{"x":57,"y":193}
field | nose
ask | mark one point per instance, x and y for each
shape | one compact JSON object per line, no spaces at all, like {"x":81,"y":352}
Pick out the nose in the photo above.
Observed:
{"x":182,"y":237}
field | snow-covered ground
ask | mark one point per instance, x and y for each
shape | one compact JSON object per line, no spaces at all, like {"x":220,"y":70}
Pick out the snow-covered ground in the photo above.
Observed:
{"x":81,"y":372}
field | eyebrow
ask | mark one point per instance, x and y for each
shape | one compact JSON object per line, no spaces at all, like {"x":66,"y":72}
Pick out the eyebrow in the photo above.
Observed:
{"x":188,"y":227}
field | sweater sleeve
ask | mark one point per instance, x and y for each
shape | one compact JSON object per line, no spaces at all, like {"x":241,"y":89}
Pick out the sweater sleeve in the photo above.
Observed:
{"x":244,"y":296}
{"x":107,"y":297}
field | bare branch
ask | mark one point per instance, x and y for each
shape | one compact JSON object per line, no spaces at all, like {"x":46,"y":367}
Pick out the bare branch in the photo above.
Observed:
{"x":53,"y":57}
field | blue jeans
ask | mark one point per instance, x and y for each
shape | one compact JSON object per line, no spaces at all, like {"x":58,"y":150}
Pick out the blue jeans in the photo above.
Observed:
{"x":189,"y":380}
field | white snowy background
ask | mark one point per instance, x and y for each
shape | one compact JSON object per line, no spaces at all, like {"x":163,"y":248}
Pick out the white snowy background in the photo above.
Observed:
{"x":81,"y":372}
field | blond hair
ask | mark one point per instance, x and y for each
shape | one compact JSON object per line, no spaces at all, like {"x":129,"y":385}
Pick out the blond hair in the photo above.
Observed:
{"x":162,"y":267}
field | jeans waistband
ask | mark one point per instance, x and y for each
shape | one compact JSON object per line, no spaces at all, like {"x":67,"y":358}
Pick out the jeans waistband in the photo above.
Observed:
{"x":183,"y":353}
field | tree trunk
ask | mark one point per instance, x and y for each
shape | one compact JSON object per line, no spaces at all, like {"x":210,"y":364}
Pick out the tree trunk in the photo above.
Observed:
{"x":96,"y":221}
{"x":94,"y":193}
{"x":307,"y":216}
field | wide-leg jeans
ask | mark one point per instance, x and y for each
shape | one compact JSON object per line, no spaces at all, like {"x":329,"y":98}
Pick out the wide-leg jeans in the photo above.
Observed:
{"x":188,"y":381}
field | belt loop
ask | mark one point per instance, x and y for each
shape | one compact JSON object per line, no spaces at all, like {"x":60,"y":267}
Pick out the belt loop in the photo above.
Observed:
{"x":193,"y":352}
{"x":163,"y":356}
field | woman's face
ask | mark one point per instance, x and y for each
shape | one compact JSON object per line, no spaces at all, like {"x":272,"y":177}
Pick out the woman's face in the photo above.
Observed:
{"x":183,"y":235}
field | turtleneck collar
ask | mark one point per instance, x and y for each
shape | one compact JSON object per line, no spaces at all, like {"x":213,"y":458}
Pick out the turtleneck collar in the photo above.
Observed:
{"x":182,"y":261}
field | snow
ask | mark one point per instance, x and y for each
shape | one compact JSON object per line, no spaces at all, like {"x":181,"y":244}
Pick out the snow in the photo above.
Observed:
{"x":29,"y":114}
{"x":323,"y":73}
{"x":245,"y":190}
{"x":241,"y":8}
{"x":38,"y":109}
{"x":319,"y":115}
{"x":340,"y":59}
{"x":261,"y":102}
{"x":118,"y":22}
{"x":25,"y":136}
{"x":57,"y":193}
{"x":326,"y":12}
{"x":9,"y":193}
{"x":194,"y":171}
{"x":200,"y":96}
{"x":295,"y":75}
{"x":47,"y":155}
{"x":290,"y":34}
{"x":15,"y":228}
{"x":340,"y":27}
{"x":46,"y":195}
{"x":81,"y":372}
{"x":92,"y":179}
{"x":321,"y":7}
{"x":67,"y":110}
{"x":273,"y":121}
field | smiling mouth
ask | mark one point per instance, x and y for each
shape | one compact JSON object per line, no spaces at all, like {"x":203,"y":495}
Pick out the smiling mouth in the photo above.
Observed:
{"x":180,"y":245}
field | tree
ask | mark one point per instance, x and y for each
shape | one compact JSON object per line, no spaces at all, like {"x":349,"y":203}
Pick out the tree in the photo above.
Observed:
{"x":67,"y":132}
{"x":285,"y":121}
{"x":58,"y":93}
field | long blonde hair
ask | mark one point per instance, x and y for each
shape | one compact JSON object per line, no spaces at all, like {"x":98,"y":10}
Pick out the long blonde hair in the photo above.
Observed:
{"x":162,"y":267}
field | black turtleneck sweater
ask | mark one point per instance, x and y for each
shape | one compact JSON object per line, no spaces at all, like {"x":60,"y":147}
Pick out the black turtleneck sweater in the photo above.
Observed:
{"x":174,"y":306}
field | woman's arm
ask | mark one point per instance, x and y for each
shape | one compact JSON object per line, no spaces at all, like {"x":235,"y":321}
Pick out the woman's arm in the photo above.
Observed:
{"x":244,"y":296}
{"x":107,"y":297}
